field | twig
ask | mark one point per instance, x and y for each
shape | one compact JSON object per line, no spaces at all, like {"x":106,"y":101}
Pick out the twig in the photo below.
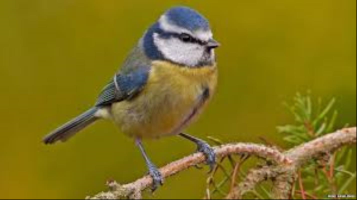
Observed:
{"x":236,"y":171}
{"x":327,"y":143}
{"x":300,"y":155}
{"x":133,"y":190}
{"x":285,"y":165}
{"x":301,"y":185}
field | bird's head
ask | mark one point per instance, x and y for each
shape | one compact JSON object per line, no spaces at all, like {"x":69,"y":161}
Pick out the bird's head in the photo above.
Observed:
{"x":181,"y":36}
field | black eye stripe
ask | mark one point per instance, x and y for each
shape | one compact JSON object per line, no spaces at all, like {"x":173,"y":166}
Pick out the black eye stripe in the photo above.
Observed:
{"x":166,"y":34}
{"x":188,"y":38}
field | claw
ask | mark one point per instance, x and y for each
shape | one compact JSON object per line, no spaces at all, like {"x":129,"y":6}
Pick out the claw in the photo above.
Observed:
{"x":156,"y":176}
{"x":209,"y":153}
{"x":204,"y":148}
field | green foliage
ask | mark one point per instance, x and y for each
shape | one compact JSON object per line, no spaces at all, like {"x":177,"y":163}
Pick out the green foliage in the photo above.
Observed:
{"x":328,"y":175}
{"x":309,"y":123}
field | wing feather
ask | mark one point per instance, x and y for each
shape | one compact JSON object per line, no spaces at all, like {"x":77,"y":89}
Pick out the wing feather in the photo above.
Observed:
{"x":123,"y":86}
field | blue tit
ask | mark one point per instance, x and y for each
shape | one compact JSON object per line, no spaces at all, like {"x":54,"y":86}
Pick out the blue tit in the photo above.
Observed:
{"x":162,"y":87}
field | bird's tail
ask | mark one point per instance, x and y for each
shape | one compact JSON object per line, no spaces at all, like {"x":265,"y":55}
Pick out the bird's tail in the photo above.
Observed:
{"x":70,"y":128}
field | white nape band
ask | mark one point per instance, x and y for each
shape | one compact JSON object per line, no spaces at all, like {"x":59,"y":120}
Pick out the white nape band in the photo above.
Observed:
{"x":169,"y":27}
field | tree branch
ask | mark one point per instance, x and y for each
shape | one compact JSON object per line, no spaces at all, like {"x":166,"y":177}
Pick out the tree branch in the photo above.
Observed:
{"x":283,"y":169}
{"x":283,"y":176}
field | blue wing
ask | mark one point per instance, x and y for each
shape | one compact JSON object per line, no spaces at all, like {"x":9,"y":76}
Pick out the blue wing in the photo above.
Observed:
{"x":124,"y":86}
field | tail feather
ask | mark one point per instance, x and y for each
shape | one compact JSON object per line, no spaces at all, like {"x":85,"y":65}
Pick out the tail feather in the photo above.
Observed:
{"x":70,"y":128}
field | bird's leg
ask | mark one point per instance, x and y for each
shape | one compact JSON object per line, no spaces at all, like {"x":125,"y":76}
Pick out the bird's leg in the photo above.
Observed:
{"x":204,"y":148}
{"x":153,"y":171}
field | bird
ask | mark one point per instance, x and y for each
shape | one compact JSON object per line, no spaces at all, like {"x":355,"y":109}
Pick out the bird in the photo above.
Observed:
{"x":162,"y":86}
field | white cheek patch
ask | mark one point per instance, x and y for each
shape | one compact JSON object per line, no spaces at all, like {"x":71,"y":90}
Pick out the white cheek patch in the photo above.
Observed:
{"x":177,"y":51}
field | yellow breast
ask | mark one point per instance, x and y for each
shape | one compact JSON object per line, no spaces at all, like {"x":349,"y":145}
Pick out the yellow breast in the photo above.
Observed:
{"x":170,"y":95}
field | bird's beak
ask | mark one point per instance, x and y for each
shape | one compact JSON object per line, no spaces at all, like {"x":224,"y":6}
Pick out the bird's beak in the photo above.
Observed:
{"x":212,"y":44}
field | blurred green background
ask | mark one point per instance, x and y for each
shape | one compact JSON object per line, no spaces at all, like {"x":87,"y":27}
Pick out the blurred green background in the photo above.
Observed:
{"x":55,"y":57}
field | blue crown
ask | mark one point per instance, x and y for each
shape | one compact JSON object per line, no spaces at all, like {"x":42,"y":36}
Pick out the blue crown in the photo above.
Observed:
{"x":187,"y":18}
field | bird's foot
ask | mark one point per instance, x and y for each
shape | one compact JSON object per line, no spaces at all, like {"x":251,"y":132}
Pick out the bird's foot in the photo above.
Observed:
{"x":156,"y":176}
{"x":209,"y":153}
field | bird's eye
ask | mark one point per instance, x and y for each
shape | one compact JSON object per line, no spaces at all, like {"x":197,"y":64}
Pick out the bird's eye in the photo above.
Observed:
{"x":185,"y":37}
